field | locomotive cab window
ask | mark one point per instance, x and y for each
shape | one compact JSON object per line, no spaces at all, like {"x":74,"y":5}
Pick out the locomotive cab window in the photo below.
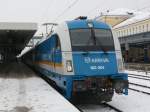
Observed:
{"x":91,"y":39}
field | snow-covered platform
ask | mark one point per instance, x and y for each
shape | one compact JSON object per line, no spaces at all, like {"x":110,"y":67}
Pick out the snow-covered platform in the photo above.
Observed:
{"x":22,"y":91}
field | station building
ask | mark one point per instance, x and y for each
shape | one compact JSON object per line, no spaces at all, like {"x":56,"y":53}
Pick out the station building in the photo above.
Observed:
{"x":133,"y":30}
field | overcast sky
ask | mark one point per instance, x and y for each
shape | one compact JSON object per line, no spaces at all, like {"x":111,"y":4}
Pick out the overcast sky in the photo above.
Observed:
{"x":58,"y":10}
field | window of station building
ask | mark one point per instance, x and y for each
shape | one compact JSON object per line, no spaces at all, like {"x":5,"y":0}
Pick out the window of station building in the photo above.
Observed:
{"x":133,"y":30}
{"x":130,"y":31}
{"x":136,"y":31}
{"x":117,"y":34}
{"x":139,"y":29}
{"x":121,"y":33}
{"x":143,"y":28}
{"x":147,"y":27}
{"x":124,"y":32}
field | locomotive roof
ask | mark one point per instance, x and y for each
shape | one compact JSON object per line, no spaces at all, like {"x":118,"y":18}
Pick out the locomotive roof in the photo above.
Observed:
{"x":84,"y":24}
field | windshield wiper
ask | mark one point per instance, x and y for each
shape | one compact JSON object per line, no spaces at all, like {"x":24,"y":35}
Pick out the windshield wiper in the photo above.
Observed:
{"x":86,"y":52}
{"x":101,"y":46}
{"x":96,"y":39}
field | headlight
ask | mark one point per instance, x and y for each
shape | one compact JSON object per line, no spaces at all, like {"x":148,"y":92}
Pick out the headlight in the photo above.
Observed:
{"x":69,"y":66}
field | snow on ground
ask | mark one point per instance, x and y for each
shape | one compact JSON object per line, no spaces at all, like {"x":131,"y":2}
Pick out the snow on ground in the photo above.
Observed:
{"x":139,"y":88}
{"x":22,"y":91}
{"x":32,"y":94}
{"x":134,"y":102}
{"x":140,"y":81}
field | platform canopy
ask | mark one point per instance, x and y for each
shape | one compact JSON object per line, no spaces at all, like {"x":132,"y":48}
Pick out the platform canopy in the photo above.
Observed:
{"x":14,"y":36}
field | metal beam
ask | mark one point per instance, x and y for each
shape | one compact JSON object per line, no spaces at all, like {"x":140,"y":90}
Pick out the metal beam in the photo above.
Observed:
{"x":138,"y":38}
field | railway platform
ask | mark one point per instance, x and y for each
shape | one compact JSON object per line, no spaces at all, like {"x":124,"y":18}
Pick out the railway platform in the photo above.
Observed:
{"x":22,"y":91}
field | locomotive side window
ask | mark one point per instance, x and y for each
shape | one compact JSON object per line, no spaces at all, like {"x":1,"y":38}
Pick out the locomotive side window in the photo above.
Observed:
{"x":58,"y":46}
{"x":57,"y":55}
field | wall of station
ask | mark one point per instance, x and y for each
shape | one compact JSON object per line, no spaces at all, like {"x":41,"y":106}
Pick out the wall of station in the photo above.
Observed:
{"x":137,"y":36}
{"x":132,"y":29}
{"x":136,"y":54}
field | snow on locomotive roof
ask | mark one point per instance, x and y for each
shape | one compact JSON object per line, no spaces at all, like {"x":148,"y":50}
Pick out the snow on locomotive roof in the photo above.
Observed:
{"x":138,"y":17}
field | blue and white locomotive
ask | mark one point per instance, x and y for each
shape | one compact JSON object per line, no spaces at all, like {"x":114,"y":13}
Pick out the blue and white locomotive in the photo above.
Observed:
{"x":83,"y":59}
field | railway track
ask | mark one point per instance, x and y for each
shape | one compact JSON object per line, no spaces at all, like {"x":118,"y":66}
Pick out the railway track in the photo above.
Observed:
{"x":139,"y":85}
{"x":137,"y":77}
{"x":114,"y":108}
{"x":140,"y":75}
{"x":138,"y":90}
{"x":103,"y":108}
{"x":146,"y":78}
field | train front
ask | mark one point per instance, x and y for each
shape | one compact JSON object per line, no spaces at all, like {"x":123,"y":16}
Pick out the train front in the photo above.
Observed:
{"x":97,"y":67}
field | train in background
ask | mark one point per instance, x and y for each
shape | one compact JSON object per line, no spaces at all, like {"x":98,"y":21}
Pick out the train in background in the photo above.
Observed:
{"x":83,"y":59}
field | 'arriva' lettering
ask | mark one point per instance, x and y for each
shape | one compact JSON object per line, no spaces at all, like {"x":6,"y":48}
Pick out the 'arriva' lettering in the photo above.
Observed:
{"x":96,"y":60}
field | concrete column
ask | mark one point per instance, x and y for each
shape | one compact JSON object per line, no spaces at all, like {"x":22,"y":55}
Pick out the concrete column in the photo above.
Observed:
{"x":127,"y":52}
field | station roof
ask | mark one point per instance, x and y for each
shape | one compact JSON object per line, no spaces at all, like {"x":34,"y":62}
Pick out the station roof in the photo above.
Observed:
{"x":16,"y":34}
{"x":137,"y":18}
{"x":121,"y":12}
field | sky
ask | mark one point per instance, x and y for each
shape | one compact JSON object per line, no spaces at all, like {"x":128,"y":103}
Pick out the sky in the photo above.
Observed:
{"x":42,"y":11}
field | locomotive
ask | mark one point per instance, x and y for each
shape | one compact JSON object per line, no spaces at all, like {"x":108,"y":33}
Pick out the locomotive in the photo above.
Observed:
{"x":82,"y":58}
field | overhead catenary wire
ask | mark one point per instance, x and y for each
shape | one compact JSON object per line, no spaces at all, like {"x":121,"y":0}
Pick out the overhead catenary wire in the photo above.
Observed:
{"x":45,"y":13}
{"x":93,"y":9}
{"x":143,"y":8}
{"x":65,"y":10}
